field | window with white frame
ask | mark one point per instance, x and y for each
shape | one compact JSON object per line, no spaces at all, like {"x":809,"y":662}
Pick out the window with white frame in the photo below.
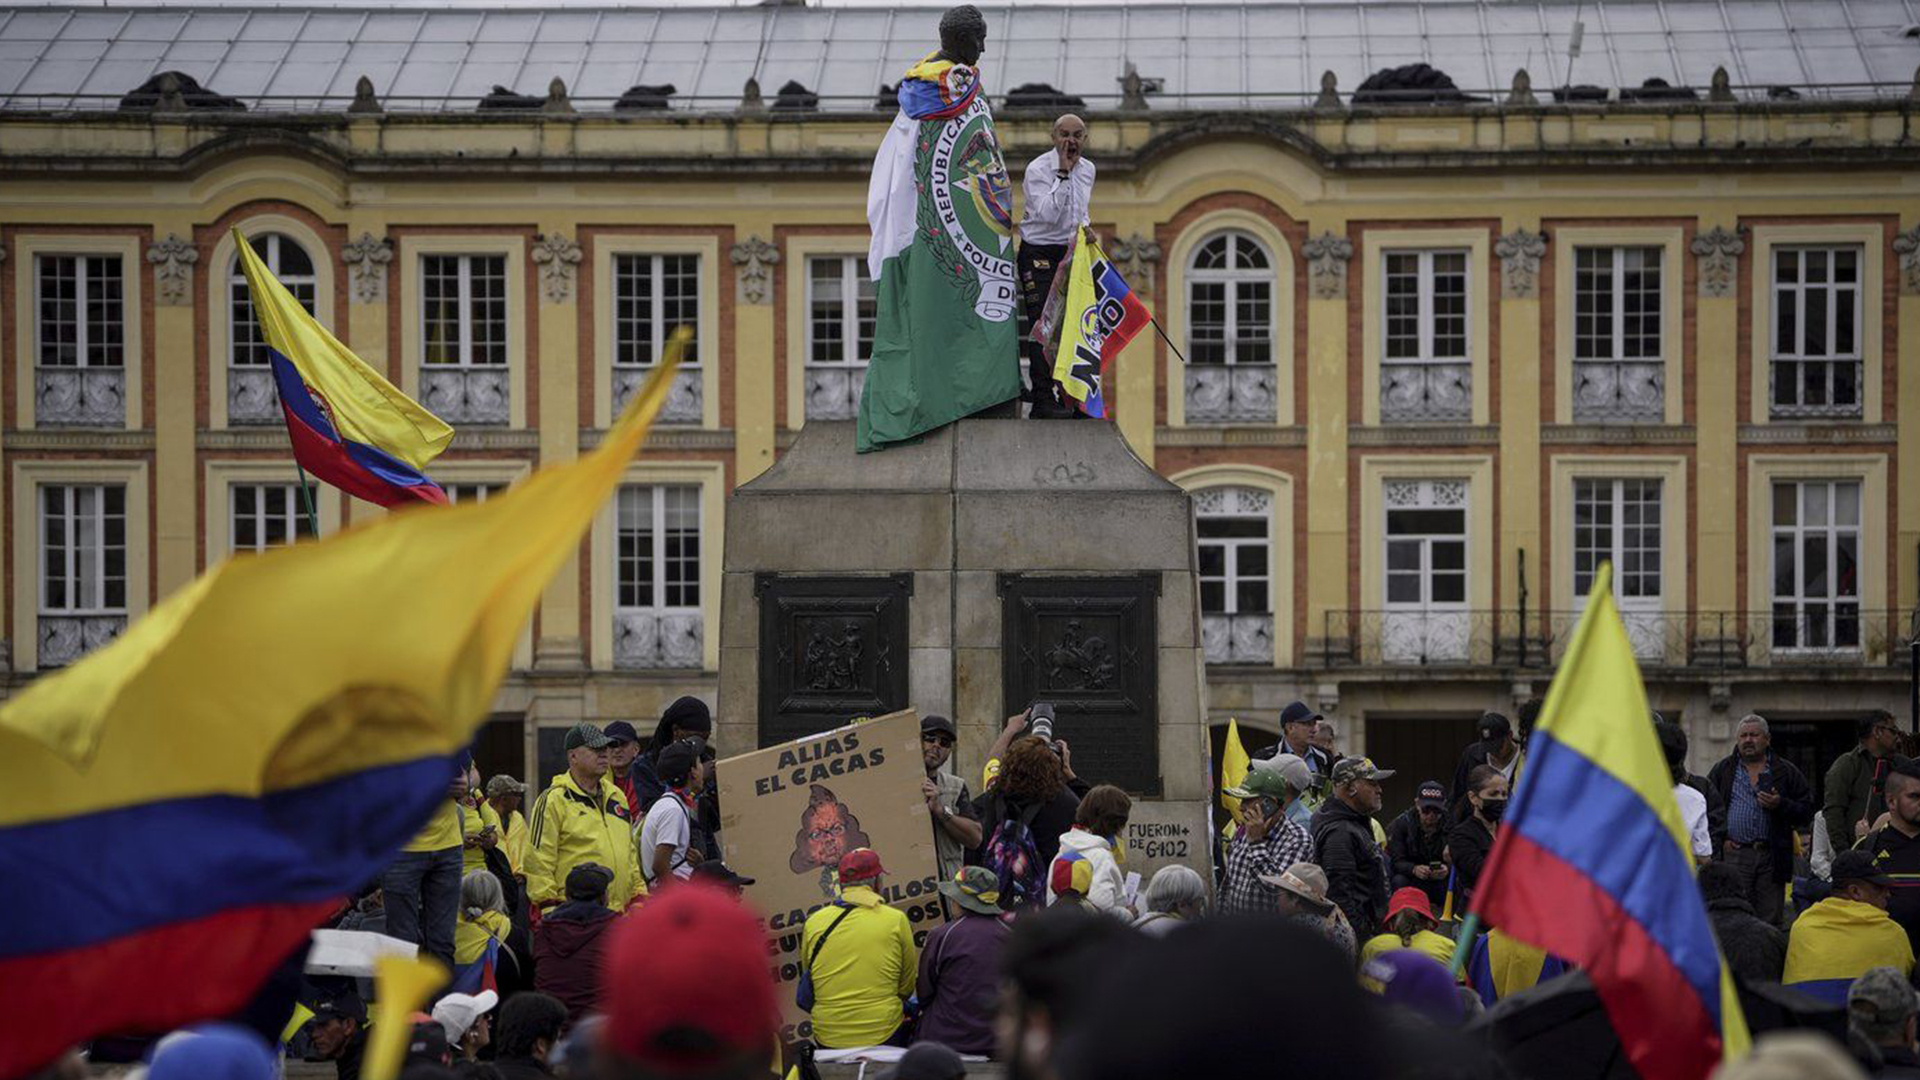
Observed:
{"x":1618,"y":521}
{"x":842,"y":307}
{"x":471,"y":493}
{"x":1618,"y":371}
{"x":1816,"y":368}
{"x":654,"y":295}
{"x":463,"y":305}
{"x":1236,"y":587}
{"x":657,"y":618}
{"x":1426,"y":572}
{"x":1816,"y":564}
{"x":83,"y":569}
{"x":293,"y":267}
{"x":262,"y":516}
{"x":79,"y":341}
{"x":1425,"y":368}
{"x":1230,"y":317}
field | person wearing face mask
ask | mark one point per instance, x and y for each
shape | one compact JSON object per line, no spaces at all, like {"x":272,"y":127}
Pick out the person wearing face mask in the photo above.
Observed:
{"x":1472,"y":840}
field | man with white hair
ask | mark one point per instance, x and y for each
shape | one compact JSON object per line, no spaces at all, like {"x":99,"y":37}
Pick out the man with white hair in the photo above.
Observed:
{"x":1765,"y":798}
{"x":1175,"y":895}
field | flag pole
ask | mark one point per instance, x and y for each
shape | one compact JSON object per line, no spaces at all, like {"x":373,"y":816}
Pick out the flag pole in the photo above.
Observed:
{"x":306,"y":497}
{"x":1094,"y":239}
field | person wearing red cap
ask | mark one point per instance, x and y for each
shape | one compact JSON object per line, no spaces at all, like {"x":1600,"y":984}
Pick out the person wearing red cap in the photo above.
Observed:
{"x":1410,"y":925}
{"x":686,"y":991}
{"x":859,"y":954}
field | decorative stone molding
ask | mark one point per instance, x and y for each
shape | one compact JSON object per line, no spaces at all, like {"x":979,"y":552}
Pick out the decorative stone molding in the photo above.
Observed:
{"x":750,"y":99}
{"x":1906,"y":245}
{"x":173,"y":260}
{"x":367,"y":259}
{"x":1720,"y":91}
{"x":557,"y":103}
{"x":1719,"y":251}
{"x":1136,"y":255}
{"x":1520,"y":253}
{"x":556,"y":256}
{"x":1329,"y":91}
{"x":756,"y":259}
{"x":1327,"y":259}
{"x":364,"y":100}
{"x":1522,"y":91}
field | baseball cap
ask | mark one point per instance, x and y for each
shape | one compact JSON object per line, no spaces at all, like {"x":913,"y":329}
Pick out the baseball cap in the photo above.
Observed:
{"x":1409,"y":898}
{"x":940,"y":724}
{"x":1416,"y":981}
{"x":1858,"y":865}
{"x":586,"y":735}
{"x":504,"y":785}
{"x":927,"y":1061}
{"x":677,"y":759}
{"x":1304,"y":880}
{"x":346,"y":1006}
{"x":727,"y":1014}
{"x":975,"y":888}
{"x":588,"y":881}
{"x":720,"y":873}
{"x":621,"y":731}
{"x":1884,"y":994}
{"x":207,"y":1051}
{"x":1358,"y":768}
{"x":1292,"y":768}
{"x":1431,"y":794}
{"x":860,"y":864}
{"x":428,"y":1042}
{"x":1494,"y":725}
{"x":457,"y":1012}
{"x":1267,"y":783}
{"x":1298,"y":712}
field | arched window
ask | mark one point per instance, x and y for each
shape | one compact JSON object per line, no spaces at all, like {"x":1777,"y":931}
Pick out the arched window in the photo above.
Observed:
{"x":1236,"y":574}
{"x":1230,"y":292}
{"x":250,"y":394}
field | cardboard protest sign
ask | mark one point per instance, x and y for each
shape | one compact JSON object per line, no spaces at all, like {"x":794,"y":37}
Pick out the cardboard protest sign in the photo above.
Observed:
{"x":790,"y":811}
{"x":1164,"y":833}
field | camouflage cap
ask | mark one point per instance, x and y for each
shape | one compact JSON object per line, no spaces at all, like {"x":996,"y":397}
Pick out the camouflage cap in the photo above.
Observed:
{"x":1884,"y":995}
{"x":1358,"y":768}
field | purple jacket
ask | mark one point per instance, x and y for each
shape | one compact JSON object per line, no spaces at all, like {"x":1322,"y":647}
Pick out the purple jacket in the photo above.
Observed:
{"x":959,"y":985}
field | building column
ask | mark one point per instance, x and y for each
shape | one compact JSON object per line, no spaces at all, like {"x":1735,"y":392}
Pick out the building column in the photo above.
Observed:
{"x":1521,"y":250}
{"x":753,"y":271}
{"x":1325,"y":415}
{"x":1137,"y":255}
{"x":555,"y":267}
{"x":1906,"y":574}
{"x":1716,"y":454}
{"x":368,"y":271}
{"x":175,"y":431}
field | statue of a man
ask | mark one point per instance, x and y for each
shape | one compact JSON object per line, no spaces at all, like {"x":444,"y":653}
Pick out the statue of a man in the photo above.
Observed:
{"x":941,"y":208}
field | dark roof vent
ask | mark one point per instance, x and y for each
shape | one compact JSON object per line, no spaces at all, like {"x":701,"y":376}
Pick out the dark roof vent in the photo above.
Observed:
{"x":1041,"y":96}
{"x":503,"y":99}
{"x":1411,"y":84}
{"x":795,"y":98}
{"x":645,"y":97}
{"x":888,"y":99}
{"x":176,"y":91}
{"x":1580,"y":95}
{"x":1660,"y":90}
{"x":1782,"y":93}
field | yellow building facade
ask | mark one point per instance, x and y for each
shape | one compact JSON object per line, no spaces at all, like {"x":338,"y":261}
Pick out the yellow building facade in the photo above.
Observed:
{"x":1440,"y":359}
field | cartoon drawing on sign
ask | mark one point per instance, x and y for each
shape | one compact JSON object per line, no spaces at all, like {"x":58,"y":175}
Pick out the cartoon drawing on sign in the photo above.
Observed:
{"x":828,"y":830}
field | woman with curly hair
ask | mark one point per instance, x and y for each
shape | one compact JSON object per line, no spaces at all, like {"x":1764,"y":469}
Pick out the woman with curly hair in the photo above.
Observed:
{"x":1034,"y":786}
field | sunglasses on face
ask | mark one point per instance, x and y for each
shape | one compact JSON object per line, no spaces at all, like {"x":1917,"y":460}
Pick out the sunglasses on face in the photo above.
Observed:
{"x":941,"y":739}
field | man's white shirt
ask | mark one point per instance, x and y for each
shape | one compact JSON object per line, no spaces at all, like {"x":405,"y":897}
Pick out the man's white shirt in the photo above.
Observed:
{"x":1055,"y":207}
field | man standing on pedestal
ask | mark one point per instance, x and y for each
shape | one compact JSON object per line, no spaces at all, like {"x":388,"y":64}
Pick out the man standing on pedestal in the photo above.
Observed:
{"x":940,"y":205}
{"x":1059,"y":188}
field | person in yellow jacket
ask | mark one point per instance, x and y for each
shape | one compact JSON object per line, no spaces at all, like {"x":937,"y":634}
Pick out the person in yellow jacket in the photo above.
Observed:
{"x":858,"y":954}
{"x":505,"y":794}
{"x":1840,"y":938}
{"x":1410,"y":925}
{"x":581,"y":817}
{"x":421,"y":887}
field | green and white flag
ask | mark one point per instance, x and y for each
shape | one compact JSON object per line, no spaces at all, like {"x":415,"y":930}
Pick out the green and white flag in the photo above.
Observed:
{"x":945,"y":343}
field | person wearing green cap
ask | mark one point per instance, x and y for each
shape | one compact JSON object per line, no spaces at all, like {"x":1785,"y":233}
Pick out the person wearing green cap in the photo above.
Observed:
{"x":582,"y":817}
{"x":1267,"y":840}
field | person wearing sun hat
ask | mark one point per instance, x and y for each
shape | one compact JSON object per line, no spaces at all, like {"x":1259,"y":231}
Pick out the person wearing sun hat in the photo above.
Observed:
{"x":959,"y":980}
{"x":1410,"y":925}
{"x":1302,"y":891}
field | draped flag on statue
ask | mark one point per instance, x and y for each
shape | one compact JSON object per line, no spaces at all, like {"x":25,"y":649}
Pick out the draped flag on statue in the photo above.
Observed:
{"x":1100,"y":315}
{"x":350,"y":427}
{"x":185,"y":804}
{"x":1593,"y":864}
{"x":940,"y":205}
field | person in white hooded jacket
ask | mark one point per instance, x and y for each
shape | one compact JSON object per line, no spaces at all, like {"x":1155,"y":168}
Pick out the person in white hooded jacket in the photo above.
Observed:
{"x":1086,"y":871}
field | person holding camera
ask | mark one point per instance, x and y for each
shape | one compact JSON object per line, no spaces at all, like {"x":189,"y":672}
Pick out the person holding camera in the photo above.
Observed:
{"x":1765,"y":798}
{"x":1267,"y":841}
{"x":1030,"y":789}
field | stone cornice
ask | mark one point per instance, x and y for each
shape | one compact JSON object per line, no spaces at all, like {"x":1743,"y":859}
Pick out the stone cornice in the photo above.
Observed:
{"x":1619,"y":434}
{"x":667,"y":437}
{"x":1804,"y":434}
{"x":1230,"y":436}
{"x":1423,"y":435}
{"x":78,"y":440}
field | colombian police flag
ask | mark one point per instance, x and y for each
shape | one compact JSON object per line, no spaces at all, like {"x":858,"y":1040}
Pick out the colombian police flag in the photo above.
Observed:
{"x":1102,"y":315}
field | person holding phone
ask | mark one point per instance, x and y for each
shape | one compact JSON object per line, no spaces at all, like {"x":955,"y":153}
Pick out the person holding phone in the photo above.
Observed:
{"x":1267,"y":841}
{"x":1417,"y":844}
{"x":1765,"y":798}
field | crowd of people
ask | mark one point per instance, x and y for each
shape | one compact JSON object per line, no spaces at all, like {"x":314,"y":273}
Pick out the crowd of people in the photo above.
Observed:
{"x":590,"y":933}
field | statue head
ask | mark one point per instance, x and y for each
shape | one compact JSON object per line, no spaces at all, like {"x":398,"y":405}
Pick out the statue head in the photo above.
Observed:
{"x":963,"y":34}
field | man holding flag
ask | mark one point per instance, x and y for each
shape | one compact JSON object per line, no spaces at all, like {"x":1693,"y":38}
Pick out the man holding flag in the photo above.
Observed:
{"x":1058,"y":186}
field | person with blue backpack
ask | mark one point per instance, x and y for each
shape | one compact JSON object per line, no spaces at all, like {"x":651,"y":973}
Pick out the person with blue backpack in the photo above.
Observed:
{"x":1029,"y":803}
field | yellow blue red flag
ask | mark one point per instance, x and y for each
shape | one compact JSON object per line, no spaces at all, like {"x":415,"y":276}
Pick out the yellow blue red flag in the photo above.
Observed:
{"x":350,"y":427}
{"x":1593,"y":864}
{"x":1102,"y":314}
{"x":183,"y":805}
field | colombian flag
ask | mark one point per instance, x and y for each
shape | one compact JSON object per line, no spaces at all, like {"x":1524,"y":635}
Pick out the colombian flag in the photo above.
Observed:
{"x":1593,"y":863}
{"x":1102,"y":315}
{"x":349,"y":426}
{"x":183,"y":805}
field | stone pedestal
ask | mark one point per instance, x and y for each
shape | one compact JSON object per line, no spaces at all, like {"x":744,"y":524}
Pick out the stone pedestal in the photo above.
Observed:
{"x":993,"y":563}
